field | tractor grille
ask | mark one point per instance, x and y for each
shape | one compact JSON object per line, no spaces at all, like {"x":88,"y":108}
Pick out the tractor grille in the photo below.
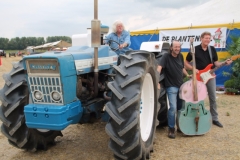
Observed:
{"x":45,"y":87}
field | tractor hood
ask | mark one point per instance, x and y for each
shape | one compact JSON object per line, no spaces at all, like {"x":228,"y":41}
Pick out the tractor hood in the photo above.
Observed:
{"x":78,"y":59}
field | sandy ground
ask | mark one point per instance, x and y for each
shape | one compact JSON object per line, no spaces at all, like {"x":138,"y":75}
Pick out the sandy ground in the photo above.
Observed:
{"x":90,"y":142}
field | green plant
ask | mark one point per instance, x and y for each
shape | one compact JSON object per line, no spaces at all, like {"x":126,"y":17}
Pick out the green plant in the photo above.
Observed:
{"x":234,"y":49}
{"x":232,"y":83}
{"x":229,"y":83}
{"x":228,"y":90}
{"x":231,"y":90}
{"x":226,"y":74}
{"x":227,"y":114}
{"x":185,"y":78}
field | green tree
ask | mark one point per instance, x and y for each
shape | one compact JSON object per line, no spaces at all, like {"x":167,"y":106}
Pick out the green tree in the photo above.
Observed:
{"x":12,"y":45}
{"x":4,"y":43}
{"x":21,"y":43}
{"x":40,"y":41}
{"x":58,"y":38}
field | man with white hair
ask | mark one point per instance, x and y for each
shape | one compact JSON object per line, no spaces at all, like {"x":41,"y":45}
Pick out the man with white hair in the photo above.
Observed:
{"x":119,"y":35}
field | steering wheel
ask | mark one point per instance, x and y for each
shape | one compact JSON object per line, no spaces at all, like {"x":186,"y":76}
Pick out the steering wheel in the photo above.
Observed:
{"x":110,"y":41}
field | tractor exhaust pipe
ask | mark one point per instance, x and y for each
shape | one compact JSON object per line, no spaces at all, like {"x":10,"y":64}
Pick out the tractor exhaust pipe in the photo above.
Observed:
{"x":96,"y":42}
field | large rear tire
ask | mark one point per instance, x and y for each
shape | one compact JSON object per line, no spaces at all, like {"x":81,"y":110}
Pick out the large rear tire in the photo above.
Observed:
{"x":134,"y":106}
{"x":162,"y":114}
{"x":14,"y":96}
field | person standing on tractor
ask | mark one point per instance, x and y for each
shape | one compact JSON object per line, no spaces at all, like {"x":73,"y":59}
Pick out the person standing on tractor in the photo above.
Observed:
{"x":119,"y":39}
{"x":203,"y":59}
{"x":172,"y":65}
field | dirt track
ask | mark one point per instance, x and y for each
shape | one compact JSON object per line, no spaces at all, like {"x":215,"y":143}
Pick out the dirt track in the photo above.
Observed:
{"x":90,"y":142}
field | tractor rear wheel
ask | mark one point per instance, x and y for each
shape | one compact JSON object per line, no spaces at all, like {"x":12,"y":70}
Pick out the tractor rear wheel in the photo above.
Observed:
{"x":162,"y":114}
{"x":14,"y":96}
{"x":134,"y":106}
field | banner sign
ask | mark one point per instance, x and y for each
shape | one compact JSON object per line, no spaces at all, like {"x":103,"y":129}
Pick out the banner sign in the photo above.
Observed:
{"x":218,"y":39}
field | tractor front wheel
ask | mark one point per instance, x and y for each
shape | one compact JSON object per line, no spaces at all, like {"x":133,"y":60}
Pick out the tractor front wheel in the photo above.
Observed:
{"x":14,"y":96}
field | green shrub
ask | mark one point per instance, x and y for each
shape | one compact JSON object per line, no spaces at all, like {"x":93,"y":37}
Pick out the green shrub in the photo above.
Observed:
{"x":231,"y":90}
{"x":234,"y":49}
{"x":229,"y":83}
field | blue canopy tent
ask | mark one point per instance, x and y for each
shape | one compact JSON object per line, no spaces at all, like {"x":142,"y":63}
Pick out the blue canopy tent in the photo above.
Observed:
{"x":220,"y":77}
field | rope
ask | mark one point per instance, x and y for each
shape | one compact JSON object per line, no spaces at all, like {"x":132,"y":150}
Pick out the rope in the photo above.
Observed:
{"x":187,"y":32}
{"x":153,"y":34}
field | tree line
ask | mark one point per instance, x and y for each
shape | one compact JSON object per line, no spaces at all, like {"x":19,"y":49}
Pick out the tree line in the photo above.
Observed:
{"x":22,"y":43}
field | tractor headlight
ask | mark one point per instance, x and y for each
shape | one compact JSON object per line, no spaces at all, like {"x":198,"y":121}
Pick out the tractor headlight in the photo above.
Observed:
{"x":56,"y":96}
{"x":38,"y":95}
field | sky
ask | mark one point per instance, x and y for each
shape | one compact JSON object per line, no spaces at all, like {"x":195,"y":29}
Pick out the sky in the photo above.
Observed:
{"x":43,"y":18}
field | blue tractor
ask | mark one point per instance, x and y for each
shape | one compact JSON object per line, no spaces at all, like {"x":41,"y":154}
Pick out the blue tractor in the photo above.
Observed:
{"x":45,"y":93}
